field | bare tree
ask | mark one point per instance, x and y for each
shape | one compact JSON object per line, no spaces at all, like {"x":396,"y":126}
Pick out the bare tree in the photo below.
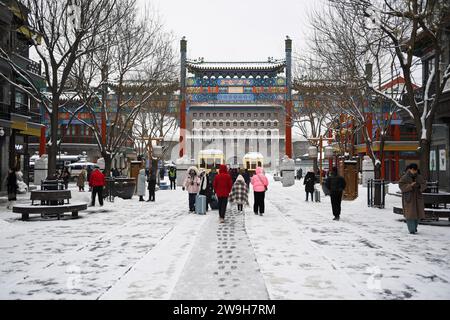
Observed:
{"x":406,"y":25}
{"x":135,"y":60}
{"x":349,"y":51}
{"x":69,"y":30}
{"x":156,"y":121}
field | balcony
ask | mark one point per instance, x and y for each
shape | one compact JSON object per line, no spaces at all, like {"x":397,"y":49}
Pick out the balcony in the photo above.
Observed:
{"x":21,"y":109}
{"x":33,"y":67}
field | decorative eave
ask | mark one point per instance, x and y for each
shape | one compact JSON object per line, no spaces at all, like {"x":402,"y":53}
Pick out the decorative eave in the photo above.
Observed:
{"x":236,"y":68}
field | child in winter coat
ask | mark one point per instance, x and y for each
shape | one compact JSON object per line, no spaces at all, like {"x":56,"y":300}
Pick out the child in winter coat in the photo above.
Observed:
{"x":192,"y":185}
{"x":239,"y":193}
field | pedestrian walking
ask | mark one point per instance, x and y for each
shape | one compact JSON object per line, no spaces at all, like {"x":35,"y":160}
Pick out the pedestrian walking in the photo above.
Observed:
{"x":12,"y":187}
{"x":259,"y":183}
{"x":212,"y":174}
{"x":97,"y":183}
{"x":173,"y":178}
{"x":222,"y":186}
{"x":141,"y":187}
{"x":192,"y":185}
{"x":239,"y":193}
{"x":151,"y":185}
{"x":65,"y":177}
{"x":300,"y":174}
{"x":205,"y":188}
{"x":162,"y":172}
{"x":335,"y":185}
{"x":246,"y":176}
{"x":308,"y":182}
{"x":412,"y":184}
{"x":81,"y":179}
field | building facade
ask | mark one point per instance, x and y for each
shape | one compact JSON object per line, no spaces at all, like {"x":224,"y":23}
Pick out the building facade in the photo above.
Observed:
{"x":236,"y":107}
{"x":19,"y":116}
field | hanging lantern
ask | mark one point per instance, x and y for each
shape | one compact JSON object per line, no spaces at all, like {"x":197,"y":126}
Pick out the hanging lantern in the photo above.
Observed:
{"x":312,"y":152}
{"x":329,"y":152}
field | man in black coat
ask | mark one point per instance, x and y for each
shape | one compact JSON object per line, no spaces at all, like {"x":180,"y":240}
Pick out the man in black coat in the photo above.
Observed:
{"x":309,"y":181}
{"x":336,"y":185}
{"x":151,"y":179}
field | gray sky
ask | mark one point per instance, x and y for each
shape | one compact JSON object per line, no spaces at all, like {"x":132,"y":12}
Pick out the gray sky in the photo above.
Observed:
{"x":236,"y":30}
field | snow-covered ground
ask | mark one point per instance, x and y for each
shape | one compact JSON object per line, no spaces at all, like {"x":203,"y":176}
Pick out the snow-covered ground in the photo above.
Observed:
{"x":144,"y":250}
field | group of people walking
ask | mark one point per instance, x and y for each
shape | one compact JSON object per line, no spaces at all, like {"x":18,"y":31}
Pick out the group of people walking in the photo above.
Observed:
{"x":226,"y":186}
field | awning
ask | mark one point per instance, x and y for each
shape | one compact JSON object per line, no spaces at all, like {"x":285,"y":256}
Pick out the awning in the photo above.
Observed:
{"x":31,"y":132}
{"x":19,"y":125}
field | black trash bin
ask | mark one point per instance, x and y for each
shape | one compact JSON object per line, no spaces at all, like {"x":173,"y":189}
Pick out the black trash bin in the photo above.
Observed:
{"x":376,"y":193}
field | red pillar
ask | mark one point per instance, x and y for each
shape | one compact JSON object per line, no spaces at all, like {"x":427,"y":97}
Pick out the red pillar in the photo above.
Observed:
{"x":330,"y":161}
{"x":182,"y":127}
{"x":42,"y":142}
{"x":288,"y":129}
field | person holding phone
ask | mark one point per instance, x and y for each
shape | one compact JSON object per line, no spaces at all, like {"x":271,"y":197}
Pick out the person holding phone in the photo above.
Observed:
{"x":412,"y":184}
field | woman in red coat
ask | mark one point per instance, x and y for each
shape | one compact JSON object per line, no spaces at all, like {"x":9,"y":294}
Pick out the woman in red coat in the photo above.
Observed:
{"x":222,"y":186}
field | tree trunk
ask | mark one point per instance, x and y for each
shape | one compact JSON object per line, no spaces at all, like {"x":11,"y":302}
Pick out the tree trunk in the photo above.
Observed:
{"x":108,"y":161}
{"x":53,"y":148}
{"x":425,"y":147}
{"x":315,"y":165}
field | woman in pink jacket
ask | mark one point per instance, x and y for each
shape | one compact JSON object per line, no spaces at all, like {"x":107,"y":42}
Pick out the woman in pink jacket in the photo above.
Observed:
{"x":259,"y":183}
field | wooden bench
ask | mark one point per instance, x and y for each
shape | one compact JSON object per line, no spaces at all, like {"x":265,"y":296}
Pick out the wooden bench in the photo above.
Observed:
{"x":48,"y":196}
{"x":26,"y":210}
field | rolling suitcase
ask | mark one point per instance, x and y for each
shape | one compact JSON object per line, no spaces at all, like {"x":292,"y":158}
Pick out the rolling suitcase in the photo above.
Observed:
{"x":200,"y":204}
{"x":317,"y":195}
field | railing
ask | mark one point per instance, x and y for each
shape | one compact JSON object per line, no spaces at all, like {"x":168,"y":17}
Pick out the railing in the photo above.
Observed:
{"x":79,"y":139}
{"x":35,"y":117}
{"x":4,"y":111}
{"x":27,"y":64}
{"x":21,"y":109}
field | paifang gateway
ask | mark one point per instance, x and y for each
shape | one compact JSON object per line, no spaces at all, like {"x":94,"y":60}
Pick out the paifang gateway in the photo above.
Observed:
{"x":236,"y":107}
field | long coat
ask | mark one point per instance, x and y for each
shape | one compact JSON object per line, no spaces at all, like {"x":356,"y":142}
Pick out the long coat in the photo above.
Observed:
{"x":81,"y":178}
{"x":309,"y":181}
{"x":239,"y":193}
{"x":412,"y":198}
{"x":141,"y":183}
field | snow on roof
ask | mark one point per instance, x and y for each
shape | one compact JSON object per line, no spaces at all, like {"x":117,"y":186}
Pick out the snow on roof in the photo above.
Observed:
{"x":211,"y":151}
{"x":261,"y":65}
{"x":254,"y":155}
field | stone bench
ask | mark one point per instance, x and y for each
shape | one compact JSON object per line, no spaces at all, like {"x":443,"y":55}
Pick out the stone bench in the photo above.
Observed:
{"x":26,"y":210}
